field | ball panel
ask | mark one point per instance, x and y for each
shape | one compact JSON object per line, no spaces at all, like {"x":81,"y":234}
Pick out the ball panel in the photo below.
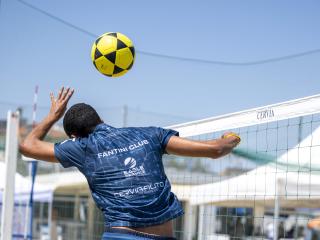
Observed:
{"x":130,"y":66}
{"x":108,"y":75}
{"x":111,"y":57}
{"x":132,"y":51}
{"x":114,"y":34}
{"x":107,"y":44}
{"x":97,"y":54}
{"x":120,"y":73}
{"x":120,"y":44}
{"x":96,"y":42}
{"x":124,"y":58}
{"x":104,"y":66}
{"x":117,"y":69}
{"x":125,"y":39}
{"x":94,"y":64}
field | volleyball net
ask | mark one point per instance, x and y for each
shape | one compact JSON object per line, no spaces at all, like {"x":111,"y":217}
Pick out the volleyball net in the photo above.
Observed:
{"x":267,"y":188}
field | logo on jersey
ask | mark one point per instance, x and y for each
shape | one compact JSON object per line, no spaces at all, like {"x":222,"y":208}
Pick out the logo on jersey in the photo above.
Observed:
{"x":133,"y":169}
{"x":152,"y":187}
{"x":130,"y":162}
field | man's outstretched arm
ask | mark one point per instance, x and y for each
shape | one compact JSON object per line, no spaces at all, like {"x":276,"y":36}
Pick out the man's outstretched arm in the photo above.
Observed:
{"x":211,"y":149}
{"x":33,"y":145}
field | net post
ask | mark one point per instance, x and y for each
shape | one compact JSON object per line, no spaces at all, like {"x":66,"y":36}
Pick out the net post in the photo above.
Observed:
{"x":50,"y":219}
{"x":11,"y":153}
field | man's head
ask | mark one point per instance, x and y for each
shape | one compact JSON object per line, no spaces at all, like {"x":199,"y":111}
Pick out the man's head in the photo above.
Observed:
{"x":80,"y":120}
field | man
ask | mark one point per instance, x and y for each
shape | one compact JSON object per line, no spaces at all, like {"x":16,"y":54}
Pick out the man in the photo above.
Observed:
{"x":123,"y":166}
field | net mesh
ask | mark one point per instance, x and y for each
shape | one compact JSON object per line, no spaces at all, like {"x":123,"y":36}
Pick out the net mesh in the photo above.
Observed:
{"x":235,"y":196}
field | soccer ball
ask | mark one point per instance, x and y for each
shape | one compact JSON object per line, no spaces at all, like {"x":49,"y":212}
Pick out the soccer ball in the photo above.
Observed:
{"x":113,"y":54}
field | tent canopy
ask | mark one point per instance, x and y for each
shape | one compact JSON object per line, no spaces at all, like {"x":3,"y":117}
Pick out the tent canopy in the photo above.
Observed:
{"x":42,"y":193}
{"x":260,"y":186}
{"x":71,"y":182}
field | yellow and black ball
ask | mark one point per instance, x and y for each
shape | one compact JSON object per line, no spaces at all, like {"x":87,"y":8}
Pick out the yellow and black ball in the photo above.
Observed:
{"x":113,"y":54}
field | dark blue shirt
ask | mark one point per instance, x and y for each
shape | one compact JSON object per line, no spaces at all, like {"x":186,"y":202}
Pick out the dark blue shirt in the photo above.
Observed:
{"x":124,"y":169}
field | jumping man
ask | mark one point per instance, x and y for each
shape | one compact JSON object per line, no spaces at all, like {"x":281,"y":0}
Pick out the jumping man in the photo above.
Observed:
{"x":123,"y":166}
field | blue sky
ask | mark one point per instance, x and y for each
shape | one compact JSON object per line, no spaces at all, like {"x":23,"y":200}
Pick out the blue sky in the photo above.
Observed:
{"x":37,"y":50}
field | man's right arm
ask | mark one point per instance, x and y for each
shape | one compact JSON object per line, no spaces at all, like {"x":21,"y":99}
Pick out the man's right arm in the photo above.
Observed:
{"x":211,"y":149}
{"x":33,"y":145}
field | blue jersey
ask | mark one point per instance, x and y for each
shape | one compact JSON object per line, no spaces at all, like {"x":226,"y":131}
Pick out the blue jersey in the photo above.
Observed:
{"x":124,"y":170}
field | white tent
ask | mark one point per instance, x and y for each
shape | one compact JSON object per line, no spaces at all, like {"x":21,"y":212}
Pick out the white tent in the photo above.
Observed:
{"x":261,"y":185}
{"x":42,"y":193}
{"x":71,"y":182}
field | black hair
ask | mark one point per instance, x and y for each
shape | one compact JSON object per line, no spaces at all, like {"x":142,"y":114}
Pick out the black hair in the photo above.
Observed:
{"x":80,"y":120}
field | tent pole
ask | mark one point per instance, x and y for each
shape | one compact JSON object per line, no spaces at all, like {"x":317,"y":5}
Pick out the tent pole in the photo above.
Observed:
{"x":296,"y":228}
{"x":276,"y":218}
{"x":91,"y":215}
{"x":50,"y":219}
{"x":41,"y":213}
{"x":76,"y":213}
{"x":276,"y":210}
